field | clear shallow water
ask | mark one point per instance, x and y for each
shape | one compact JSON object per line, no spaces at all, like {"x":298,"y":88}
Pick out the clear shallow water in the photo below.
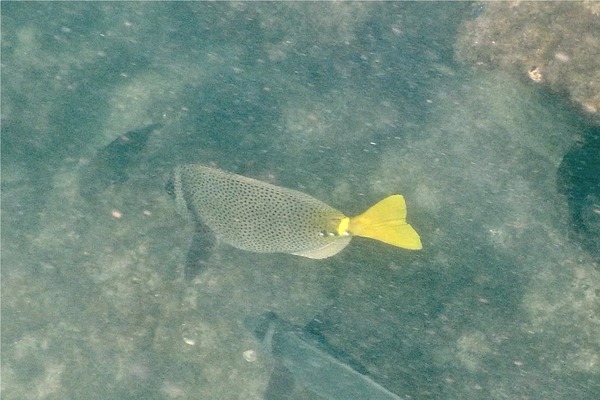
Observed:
{"x":346,"y":102}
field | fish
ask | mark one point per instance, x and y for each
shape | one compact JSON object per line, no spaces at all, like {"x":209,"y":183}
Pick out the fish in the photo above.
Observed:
{"x":305,"y":357}
{"x":260,"y":217}
{"x":111,"y":164}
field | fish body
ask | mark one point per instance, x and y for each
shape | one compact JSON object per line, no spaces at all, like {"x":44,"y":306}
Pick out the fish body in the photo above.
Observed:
{"x":256,"y":216}
{"x":313,"y":363}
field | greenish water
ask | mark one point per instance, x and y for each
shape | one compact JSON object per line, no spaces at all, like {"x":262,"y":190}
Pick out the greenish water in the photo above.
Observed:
{"x":348,"y":102}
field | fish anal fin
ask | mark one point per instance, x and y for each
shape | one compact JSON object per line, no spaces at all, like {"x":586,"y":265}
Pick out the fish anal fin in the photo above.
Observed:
{"x":386,"y":222}
{"x":328,"y":250}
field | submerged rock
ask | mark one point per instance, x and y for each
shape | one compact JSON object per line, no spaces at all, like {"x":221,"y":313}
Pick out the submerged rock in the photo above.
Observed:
{"x":539,"y":41}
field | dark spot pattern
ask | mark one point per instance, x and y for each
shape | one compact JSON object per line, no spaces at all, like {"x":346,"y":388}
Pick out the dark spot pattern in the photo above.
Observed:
{"x":254,"y":215}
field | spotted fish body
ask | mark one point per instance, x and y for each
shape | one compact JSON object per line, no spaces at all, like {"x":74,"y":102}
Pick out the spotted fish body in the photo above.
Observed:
{"x":257,"y":216}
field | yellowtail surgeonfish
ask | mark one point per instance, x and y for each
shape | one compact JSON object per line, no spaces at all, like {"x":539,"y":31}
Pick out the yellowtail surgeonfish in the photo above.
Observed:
{"x":260,"y":217}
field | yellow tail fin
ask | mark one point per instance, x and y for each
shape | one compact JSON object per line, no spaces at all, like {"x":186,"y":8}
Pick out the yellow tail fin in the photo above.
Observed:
{"x":386,"y":222}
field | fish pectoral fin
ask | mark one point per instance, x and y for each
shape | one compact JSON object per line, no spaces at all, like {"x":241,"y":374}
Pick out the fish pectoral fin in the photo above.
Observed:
{"x":328,"y":250}
{"x":200,"y":251}
{"x":386,"y":222}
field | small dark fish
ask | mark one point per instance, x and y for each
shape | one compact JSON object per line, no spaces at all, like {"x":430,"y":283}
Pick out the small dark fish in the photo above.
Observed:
{"x":307,"y":358}
{"x":111,"y":164}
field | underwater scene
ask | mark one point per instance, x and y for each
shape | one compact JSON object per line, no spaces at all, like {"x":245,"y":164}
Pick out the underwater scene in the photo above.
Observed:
{"x":300,"y":200}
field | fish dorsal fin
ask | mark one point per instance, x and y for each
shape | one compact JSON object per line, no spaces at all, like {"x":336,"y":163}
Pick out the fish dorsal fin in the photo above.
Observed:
{"x":386,"y":222}
{"x":329,"y":250}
